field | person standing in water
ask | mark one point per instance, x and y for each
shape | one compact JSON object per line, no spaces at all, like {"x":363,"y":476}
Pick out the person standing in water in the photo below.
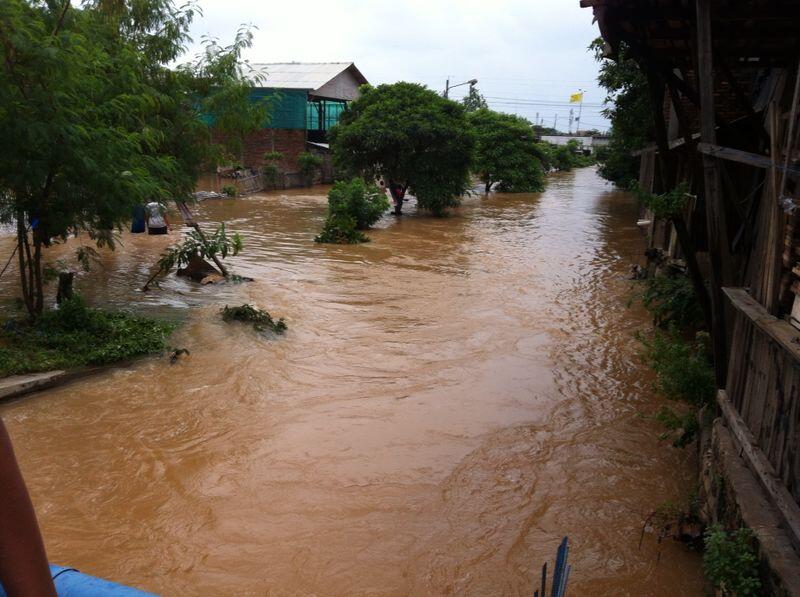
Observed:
{"x":156,"y":216}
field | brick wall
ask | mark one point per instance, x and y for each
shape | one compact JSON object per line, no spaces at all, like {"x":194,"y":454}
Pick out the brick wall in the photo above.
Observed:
{"x":290,"y":142}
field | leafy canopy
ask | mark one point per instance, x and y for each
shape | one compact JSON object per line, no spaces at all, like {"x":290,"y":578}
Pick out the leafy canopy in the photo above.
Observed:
{"x":628,"y":108}
{"x":408,"y":135}
{"x":506,"y":152}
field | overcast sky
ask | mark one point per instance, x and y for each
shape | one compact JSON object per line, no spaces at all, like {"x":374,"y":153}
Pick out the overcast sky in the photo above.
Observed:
{"x":528,"y":55}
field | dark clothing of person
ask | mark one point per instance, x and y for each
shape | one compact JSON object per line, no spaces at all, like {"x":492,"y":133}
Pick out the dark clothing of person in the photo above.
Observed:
{"x":137,"y":221}
{"x":157,"y":230}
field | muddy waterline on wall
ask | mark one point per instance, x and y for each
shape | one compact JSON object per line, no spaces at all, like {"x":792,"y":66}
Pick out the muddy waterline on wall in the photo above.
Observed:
{"x":449,"y":401}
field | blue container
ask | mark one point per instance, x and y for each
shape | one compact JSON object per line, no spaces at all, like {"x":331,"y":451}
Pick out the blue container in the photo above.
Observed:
{"x":71,"y":583}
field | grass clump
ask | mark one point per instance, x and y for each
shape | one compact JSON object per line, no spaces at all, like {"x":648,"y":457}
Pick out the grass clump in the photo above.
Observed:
{"x":261,"y":320}
{"x":730,"y":561}
{"x":76,"y":335}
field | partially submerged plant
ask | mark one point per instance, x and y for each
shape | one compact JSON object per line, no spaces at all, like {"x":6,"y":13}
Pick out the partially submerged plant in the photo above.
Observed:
{"x":197,"y":244}
{"x":229,"y":190}
{"x":261,"y":320}
{"x":352,"y":206}
{"x":731,"y":562}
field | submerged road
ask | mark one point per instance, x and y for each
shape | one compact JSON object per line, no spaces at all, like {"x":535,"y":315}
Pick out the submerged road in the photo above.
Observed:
{"x":449,"y":401}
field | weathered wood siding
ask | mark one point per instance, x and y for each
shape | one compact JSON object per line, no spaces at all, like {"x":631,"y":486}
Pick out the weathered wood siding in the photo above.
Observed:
{"x":763,"y":385}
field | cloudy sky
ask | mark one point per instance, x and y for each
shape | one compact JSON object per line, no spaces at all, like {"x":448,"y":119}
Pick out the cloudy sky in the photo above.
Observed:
{"x":528,"y":55}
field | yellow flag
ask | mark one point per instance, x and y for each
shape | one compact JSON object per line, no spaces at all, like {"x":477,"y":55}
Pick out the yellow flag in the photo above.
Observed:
{"x":576,"y":97}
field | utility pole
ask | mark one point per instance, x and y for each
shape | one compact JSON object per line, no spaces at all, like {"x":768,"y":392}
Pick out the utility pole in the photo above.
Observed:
{"x":536,"y":122}
{"x":555,"y":122}
{"x":447,"y":89}
{"x":571,"y":118}
{"x":580,"y":109}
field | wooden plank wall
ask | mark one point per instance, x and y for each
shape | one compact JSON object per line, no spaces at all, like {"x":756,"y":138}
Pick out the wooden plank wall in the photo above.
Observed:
{"x":764,"y":383}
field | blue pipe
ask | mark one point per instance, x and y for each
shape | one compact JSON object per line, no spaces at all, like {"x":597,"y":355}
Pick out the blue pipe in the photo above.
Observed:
{"x":71,"y":583}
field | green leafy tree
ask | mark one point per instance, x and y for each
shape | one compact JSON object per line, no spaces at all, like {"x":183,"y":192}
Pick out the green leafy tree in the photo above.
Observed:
{"x":474,"y":101}
{"x":308,"y":164}
{"x":412,"y":138}
{"x":352,"y":206}
{"x":628,"y":109}
{"x":95,"y":121}
{"x":506,"y":152}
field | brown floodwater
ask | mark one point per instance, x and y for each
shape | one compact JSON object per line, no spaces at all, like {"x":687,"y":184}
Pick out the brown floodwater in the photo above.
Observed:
{"x":449,"y":401}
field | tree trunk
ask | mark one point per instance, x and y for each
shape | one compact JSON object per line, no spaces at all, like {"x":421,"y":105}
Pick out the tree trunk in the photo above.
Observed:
{"x":37,"y":273}
{"x":488,"y":186}
{"x":22,"y":251}
{"x":65,"y":291}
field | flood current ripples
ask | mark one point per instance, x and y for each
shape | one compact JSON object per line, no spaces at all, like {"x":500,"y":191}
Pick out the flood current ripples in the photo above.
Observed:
{"x":449,"y":401}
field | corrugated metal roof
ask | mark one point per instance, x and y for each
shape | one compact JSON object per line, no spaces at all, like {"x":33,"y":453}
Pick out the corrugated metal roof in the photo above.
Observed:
{"x":300,"y":75}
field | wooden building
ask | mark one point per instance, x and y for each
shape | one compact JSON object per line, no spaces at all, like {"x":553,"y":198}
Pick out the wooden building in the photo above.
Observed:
{"x":724,"y":81}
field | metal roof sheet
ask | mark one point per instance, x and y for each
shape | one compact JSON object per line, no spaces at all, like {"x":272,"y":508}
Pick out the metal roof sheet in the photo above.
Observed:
{"x":300,"y":75}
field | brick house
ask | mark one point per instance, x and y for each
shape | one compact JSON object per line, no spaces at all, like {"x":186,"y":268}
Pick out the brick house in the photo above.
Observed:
{"x":306,"y":100}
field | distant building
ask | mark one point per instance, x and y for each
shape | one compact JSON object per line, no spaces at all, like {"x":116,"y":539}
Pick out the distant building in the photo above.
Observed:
{"x":306,"y":100}
{"x":587,"y":143}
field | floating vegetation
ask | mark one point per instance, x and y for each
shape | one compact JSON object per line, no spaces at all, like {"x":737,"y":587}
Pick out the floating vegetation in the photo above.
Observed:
{"x":261,"y":320}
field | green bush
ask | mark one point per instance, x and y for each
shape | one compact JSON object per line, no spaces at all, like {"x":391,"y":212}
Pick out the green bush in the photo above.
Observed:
{"x":352,"y":206}
{"x":340,"y":229}
{"x":76,"y":335}
{"x":270,"y":170}
{"x":683,"y":369}
{"x":229,"y":190}
{"x":672,"y":301}
{"x":730,"y":561}
{"x":308,"y":165}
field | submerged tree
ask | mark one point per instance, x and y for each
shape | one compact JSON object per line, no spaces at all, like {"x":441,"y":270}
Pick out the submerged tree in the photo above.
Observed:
{"x":413,"y":138}
{"x":94,"y":121}
{"x":506,"y":152}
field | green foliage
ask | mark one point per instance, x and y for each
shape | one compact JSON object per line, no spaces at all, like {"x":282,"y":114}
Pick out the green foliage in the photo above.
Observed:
{"x":681,"y":428}
{"x":672,"y":301}
{"x":271,"y":169}
{"x":506,"y":152}
{"x":365,"y":202}
{"x":75,"y":336}
{"x":684,"y":369}
{"x":407,"y":135}
{"x":229,"y":190}
{"x":628,"y":109}
{"x":261,"y":320}
{"x":97,"y":119}
{"x":308,"y":164}
{"x":564,"y":157}
{"x":340,"y":229}
{"x":474,"y":101}
{"x":730,"y":561}
{"x":665,"y":205}
{"x":219,"y":243}
{"x":352,"y":206}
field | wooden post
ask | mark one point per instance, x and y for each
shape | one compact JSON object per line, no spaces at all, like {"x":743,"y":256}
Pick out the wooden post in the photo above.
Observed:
{"x":718,"y":247}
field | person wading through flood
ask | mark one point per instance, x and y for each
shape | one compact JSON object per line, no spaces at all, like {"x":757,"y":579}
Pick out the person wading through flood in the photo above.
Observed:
{"x":156,"y":216}
{"x":24,"y":571}
{"x":398,"y":193}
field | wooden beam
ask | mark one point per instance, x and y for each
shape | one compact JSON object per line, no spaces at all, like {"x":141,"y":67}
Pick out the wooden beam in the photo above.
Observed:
{"x":761,"y":467}
{"x":745,"y":157}
{"x":716,"y":222}
{"x":781,"y":332}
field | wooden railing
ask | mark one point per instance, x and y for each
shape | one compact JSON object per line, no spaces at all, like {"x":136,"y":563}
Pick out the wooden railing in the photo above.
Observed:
{"x":761,"y":404}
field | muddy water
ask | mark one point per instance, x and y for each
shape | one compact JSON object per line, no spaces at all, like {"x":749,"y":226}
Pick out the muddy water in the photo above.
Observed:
{"x":450,"y":400}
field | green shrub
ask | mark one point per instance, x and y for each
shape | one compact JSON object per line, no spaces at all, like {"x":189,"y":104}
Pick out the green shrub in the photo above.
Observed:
{"x":730,"y":561}
{"x":76,"y":335}
{"x":340,"y":229}
{"x":683,"y":369}
{"x":229,"y":190}
{"x":672,"y":301}
{"x":352,"y":206}
{"x":261,"y":320}
{"x":308,"y":165}
{"x":270,"y":170}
